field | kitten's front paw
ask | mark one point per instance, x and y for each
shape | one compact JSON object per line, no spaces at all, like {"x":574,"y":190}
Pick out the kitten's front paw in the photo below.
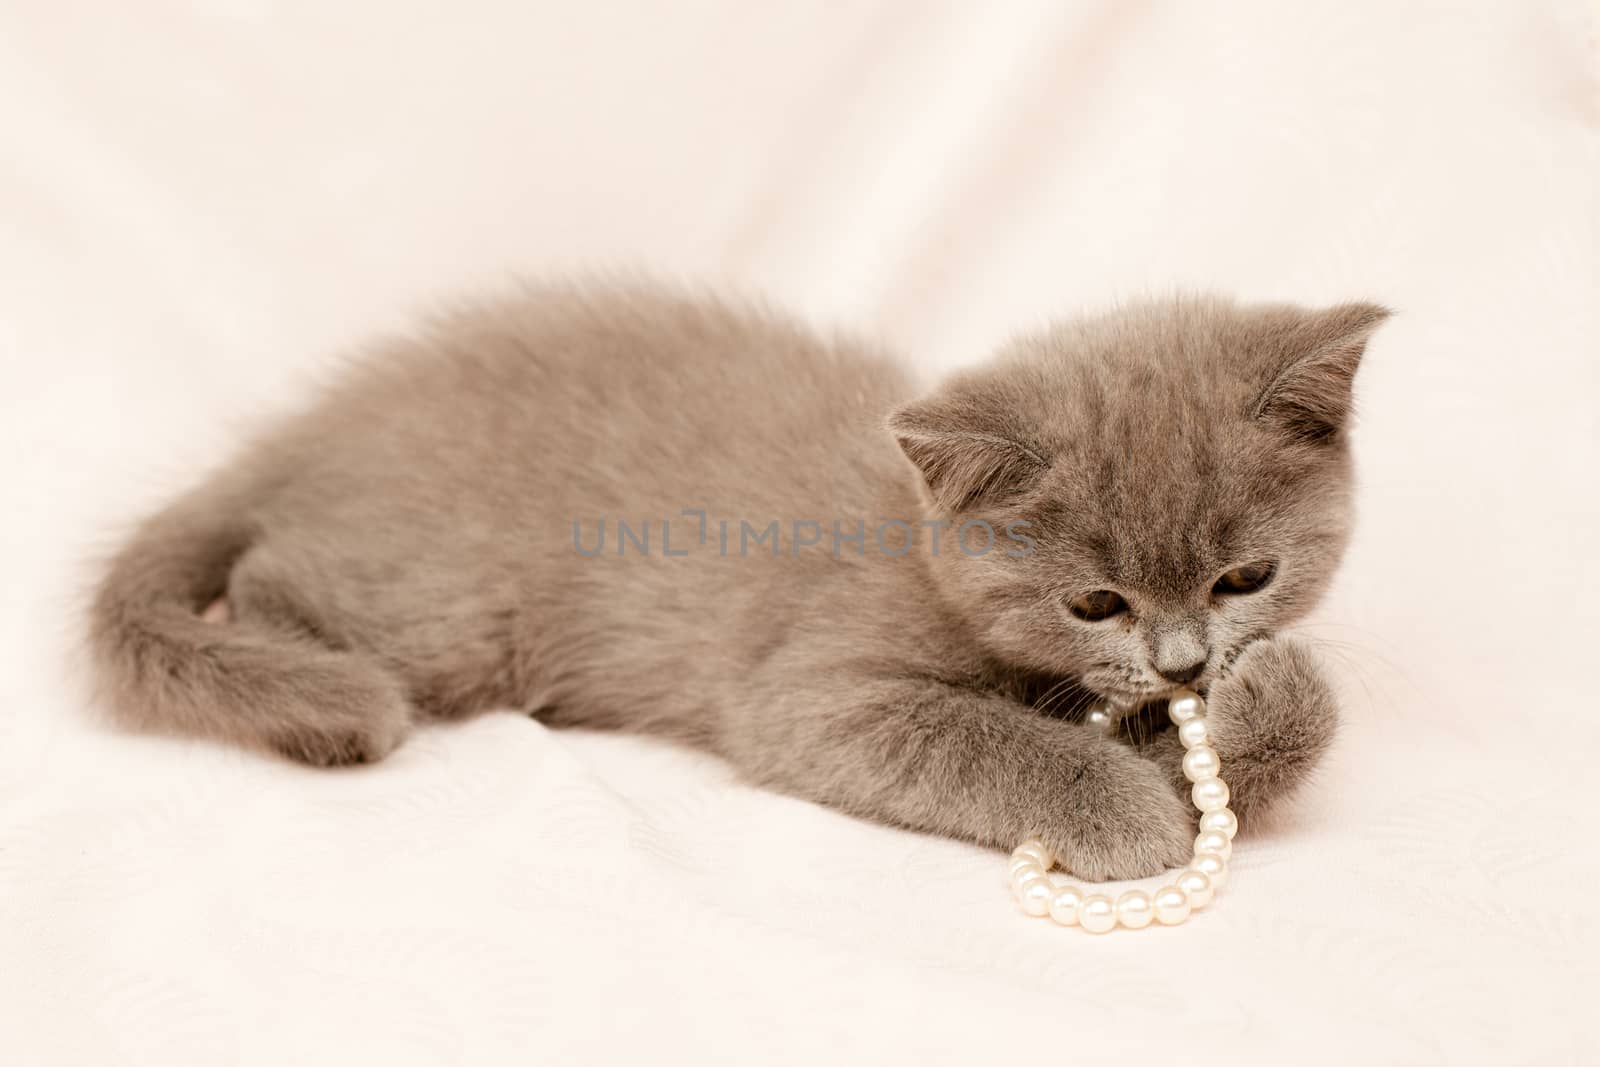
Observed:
{"x":1270,"y":719}
{"x":1123,"y":818}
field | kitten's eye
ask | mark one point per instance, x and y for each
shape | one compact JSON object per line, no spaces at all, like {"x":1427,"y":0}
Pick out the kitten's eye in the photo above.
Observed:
{"x":1100,"y":604}
{"x":1246,"y":579}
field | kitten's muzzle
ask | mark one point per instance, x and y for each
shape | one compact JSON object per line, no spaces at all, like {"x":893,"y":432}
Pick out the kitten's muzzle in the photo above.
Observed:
{"x":1183,"y":675}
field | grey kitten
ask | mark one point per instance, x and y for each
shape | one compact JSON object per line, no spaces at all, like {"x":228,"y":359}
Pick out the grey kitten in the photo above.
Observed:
{"x":626,"y":507}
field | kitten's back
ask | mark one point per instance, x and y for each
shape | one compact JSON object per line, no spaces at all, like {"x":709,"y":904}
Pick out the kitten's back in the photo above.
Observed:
{"x":407,"y":544}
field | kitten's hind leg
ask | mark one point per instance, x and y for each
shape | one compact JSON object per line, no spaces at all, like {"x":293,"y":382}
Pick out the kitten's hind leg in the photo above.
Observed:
{"x":331,"y":704}
{"x":266,"y":589}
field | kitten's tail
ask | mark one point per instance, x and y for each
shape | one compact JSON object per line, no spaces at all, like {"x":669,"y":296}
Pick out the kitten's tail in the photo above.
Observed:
{"x":159,"y":666}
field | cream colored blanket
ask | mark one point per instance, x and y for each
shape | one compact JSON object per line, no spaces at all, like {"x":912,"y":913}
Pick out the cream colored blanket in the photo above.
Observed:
{"x":200,"y":202}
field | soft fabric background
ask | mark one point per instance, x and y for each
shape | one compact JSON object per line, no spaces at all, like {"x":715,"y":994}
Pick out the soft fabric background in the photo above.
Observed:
{"x":201,"y":202}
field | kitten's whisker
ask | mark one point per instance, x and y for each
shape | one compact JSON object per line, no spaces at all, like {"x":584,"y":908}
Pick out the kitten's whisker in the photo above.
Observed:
{"x":1045,"y":702}
{"x":1360,"y":660}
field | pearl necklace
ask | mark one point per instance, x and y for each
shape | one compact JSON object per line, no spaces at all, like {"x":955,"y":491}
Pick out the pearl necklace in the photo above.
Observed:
{"x":1191,"y":890}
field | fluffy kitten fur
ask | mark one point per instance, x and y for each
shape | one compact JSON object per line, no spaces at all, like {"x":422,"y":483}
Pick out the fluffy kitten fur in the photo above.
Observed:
{"x":405,"y":551}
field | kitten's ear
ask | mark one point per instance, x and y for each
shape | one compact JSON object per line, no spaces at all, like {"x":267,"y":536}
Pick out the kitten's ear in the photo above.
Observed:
{"x":967,"y":449}
{"x":1310,"y":395}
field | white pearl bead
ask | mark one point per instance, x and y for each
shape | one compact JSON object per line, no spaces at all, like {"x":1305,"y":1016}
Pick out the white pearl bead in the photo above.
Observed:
{"x":1223,"y":821}
{"x":1183,"y":705}
{"x":1194,"y":732}
{"x":1098,"y":716}
{"x":1210,"y":794}
{"x":1213,"y":867}
{"x":1035,"y":848}
{"x":1097,"y":914}
{"x":1213,"y":843}
{"x":1064,"y":905}
{"x":1019,"y":861}
{"x":1197,"y":886}
{"x":1134,"y":909}
{"x":1020,"y":888}
{"x":1201,"y":762}
{"x":1035,"y":896}
{"x":1171,"y":905}
{"x":1028,"y":875}
{"x":1026,"y":879}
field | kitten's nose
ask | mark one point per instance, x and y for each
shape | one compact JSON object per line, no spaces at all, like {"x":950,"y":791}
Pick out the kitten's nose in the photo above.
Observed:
{"x":1184,"y":675}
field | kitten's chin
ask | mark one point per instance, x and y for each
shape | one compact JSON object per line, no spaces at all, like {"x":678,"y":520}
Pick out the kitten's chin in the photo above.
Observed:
{"x":1121,"y":703}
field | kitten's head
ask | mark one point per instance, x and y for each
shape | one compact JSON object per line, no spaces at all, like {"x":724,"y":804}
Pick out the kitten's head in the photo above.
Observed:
{"x":1182,"y":469}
